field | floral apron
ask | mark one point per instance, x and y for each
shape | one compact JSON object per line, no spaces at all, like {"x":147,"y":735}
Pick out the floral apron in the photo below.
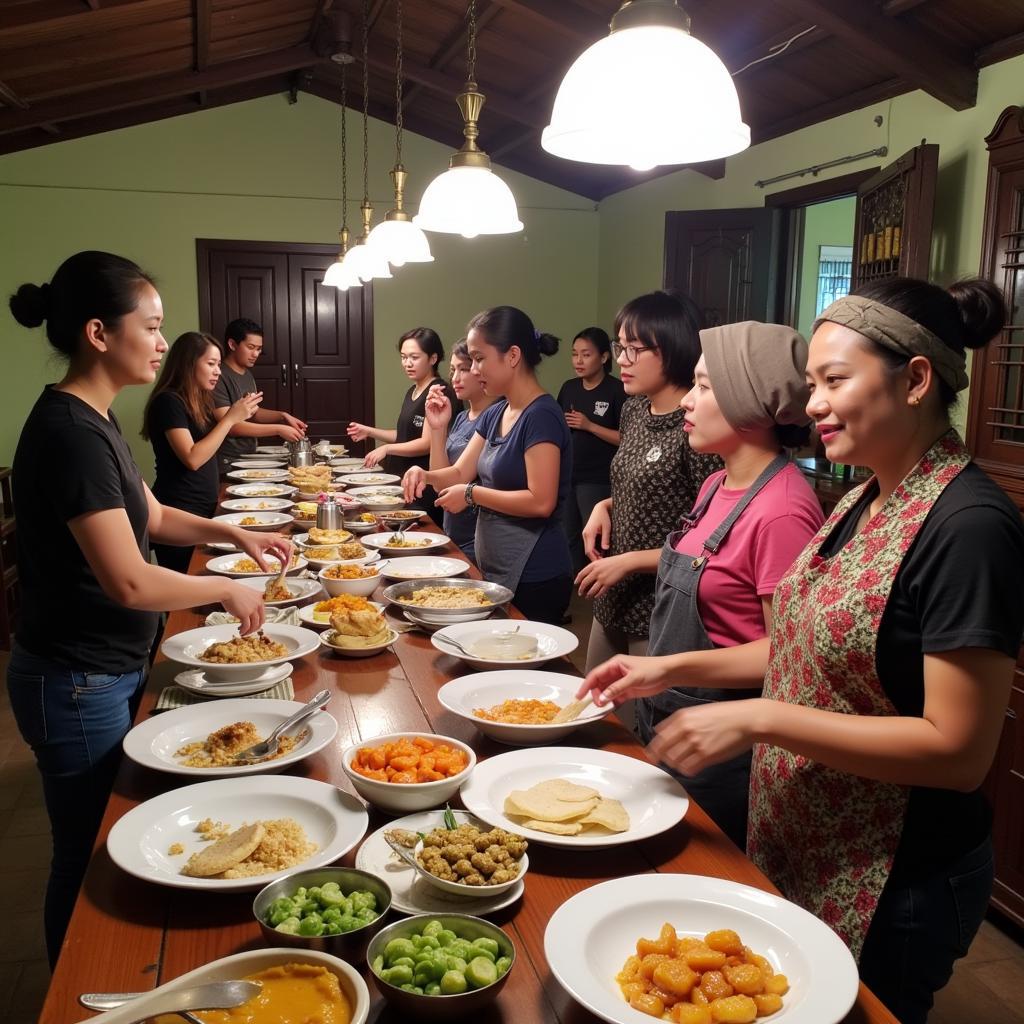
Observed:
{"x":826,"y":838}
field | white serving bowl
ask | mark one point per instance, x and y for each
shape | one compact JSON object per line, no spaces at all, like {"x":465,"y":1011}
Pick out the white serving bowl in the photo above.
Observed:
{"x":486,"y":689}
{"x":356,"y":652}
{"x":427,"y":542}
{"x":551,"y":642}
{"x":369,"y":478}
{"x":362,"y":587}
{"x":406,"y":798}
{"x":471,"y":891}
{"x":253,"y":504}
{"x":264,"y":520}
{"x":251,"y":490}
{"x":185,"y":648}
{"x":303,"y":589}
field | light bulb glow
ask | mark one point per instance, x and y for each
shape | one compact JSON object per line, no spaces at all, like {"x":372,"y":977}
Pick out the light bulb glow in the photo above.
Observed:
{"x":366,"y":264}
{"x":646,"y":96}
{"x":468,"y":201}
{"x":400,"y":242}
{"x":338,"y":276}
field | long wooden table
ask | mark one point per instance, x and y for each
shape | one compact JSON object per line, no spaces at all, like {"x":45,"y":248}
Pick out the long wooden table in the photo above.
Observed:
{"x":129,"y":935}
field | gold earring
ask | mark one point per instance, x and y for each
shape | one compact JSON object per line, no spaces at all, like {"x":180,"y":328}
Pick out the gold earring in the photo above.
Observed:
{"x":915,"y":399}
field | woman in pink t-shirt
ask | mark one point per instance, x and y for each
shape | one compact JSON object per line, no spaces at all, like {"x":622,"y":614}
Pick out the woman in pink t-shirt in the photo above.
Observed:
{"x":717,"y":571}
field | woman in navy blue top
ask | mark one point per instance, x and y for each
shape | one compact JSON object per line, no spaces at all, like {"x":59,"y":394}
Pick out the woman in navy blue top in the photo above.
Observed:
{"x":515,"y":470}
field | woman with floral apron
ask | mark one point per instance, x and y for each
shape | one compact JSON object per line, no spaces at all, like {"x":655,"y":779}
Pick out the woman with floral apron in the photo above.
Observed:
{"x":893,"y":644}
{"x":516,"y":469}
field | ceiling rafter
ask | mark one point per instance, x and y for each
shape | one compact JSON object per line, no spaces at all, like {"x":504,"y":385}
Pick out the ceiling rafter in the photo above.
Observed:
{"x":564,"y":17}
{"x":322,"y":7}
{"x":11,"y":98}
{"x":201,"y":17}
{"x":926,"y":63}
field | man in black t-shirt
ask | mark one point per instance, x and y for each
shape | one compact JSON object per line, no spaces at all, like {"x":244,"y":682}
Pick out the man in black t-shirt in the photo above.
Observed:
{"x":243,"y":343}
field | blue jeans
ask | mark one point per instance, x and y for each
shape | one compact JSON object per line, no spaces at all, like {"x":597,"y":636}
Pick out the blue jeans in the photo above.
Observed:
{"x":74,"y":721}
{"x":921,"y":927}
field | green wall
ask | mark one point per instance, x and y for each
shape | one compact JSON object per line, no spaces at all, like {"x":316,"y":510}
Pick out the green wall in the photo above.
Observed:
{"x":266,"y":170}
{"x":824,"y":224}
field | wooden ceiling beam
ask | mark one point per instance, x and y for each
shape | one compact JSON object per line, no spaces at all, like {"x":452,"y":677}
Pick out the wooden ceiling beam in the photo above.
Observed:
{"x":166,"y":87}
{"x":563,"y":17}
{"x":924,"y":63}
{"x":11,"y":98}
{"x":322,"y":7}
{"x":894,"y":7}
{"x":93,"y":5}
{"x":201,"y":15}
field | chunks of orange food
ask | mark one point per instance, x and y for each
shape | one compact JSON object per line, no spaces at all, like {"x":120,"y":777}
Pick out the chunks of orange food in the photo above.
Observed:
{"x":418,"y":759}
{"x":709,"y":980}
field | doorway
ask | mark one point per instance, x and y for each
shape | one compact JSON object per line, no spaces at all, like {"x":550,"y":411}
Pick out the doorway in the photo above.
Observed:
{"x":317,"y":360}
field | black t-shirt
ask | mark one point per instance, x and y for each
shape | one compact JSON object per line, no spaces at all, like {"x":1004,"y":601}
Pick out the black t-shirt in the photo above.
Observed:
{"x":959,"y":586}
{"x":592,"y":457}
{"x":69,"y":461}
{"x":410,"y":426}
{"x":194,"y":490}
{"x":230,"y":388}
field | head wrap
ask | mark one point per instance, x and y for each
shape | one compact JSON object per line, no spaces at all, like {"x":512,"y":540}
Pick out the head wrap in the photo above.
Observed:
{"x":757,"y":373}
{"x":893,"y":330}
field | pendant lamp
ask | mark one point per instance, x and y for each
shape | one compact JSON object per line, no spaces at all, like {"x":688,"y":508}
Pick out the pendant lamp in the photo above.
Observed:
{"x":361,"y":260}
{"x":338,"y":275}
{"x":396,"y":238}
{"x":469,"y":199}
{"x":645,"y":95}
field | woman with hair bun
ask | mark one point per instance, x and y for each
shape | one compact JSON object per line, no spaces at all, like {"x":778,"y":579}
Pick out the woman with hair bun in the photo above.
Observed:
{"x":85,"y":519}
{"x":516,"y":469}
{"x":893,"y":643}
{"x":180,"y":423}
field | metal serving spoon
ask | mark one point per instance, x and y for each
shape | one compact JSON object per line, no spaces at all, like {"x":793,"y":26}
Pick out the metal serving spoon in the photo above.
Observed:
{"x":268,"y":747}
{"x":138,"y":1007}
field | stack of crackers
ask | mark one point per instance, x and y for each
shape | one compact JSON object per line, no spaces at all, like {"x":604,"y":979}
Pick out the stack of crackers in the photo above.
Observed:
{"x":565,"y":808}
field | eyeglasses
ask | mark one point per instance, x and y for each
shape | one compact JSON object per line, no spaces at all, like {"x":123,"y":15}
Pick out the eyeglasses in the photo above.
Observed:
{"x":629,"y":354}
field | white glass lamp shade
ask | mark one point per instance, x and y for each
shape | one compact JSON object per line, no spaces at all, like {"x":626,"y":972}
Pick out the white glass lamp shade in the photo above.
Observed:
{"x":400,"y":242}
{"x":339,"y":276}
{"x":468,"y":201}
{"x":365,"y":263}
{"x":646,"y":96}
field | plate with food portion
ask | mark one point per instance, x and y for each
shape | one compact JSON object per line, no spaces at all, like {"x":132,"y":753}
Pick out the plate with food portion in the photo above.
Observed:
{"x":416,"y":567}
{"x":288,"y":591}
{"x":574,"y":796}
{"x":780,"y":959}
{"x":369,"y":479}
{"x":220,"y":651}
{"x":516,"y":706}
{"x":318,"y":614}
{"x":408,"y":541}
{"x":202,"y":739}
{"x":236,"y":834}
{"x":252,"y":475}
{"x":316,"y":537}
{"x":502,"y":644}
{"x":233,"y":565}
{"x":439,"y":602}
{"x":255,"y":520}
{"x":265,"y":490}
{"x":272,"y":449}
{"x":252,"y":462}
{"x":256,"y":504}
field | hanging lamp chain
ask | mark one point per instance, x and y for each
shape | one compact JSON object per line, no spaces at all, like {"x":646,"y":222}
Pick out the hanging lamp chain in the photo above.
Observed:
{"x":398,"y":83}
{"x":366,"y":207}
{"x":471,"y":57}
{"x":343,"y":233}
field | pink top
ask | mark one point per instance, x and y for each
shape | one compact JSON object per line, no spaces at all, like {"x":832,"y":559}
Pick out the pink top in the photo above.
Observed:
{"x":762,"y":544}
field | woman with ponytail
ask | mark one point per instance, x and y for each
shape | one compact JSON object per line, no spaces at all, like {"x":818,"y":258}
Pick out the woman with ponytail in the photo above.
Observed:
{"x":85,"y":519}
{"x":893,"y":641}
{"x":516,"y":469}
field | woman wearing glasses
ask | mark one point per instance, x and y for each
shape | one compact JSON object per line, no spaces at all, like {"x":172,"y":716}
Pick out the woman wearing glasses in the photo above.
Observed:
{"x":655,"y":475}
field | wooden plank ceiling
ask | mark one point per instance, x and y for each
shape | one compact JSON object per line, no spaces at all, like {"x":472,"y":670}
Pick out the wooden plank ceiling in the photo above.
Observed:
{"x":70,"y":68}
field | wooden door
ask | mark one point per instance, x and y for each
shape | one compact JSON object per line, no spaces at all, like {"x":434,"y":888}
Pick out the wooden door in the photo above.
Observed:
{"x":723,"y":259}
{"x":893,"y":222}
{"x":317,"y":360}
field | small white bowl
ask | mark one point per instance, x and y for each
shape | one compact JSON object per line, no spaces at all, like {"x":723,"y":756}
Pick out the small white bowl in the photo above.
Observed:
{"x":550,"y":642}
{"x":362,"y":587}
{"x":470,"y":891}
{"x":415,"y":796}
{"x":357,"y":652}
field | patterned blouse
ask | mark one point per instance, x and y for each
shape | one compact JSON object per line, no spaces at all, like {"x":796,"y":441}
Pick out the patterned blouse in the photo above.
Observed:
{"x":655,"y":479}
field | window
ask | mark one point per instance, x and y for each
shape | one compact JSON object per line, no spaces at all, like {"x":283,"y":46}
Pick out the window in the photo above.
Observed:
{"x":834,"y":267}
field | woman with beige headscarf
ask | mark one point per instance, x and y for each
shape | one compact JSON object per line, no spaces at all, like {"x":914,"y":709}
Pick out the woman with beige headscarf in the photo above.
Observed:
{"x":892,"y":651}
{"x":717,"y":571}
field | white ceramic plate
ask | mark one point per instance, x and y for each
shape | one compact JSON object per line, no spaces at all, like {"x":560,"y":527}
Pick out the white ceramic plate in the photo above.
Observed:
{"x":423,"y":568}
{"x":302,"y":540}
{"x":256,"y":504}
{"x":197,"y":682}
{"x":264,"y":520}
{"x":185,"y":648}
{"x":221,"y":545}
{"x":250,"y":462}
{"x":362,"y":492}
{"x":654,"y":800}
{"x":302,"y":589}
{"x":356,"y":652}
{"x":225,"y":565}
{"x":410,"y":892}
{"x":139,"y":841}
{"x":153,"y":742}
{"x":351,"y":463}
{"x":272,"y":449}
{"x":552,"y":641}
{"x":369,"y":479}
{"x":255,"y":475}
{"x":251,"y":490}
{"x":382,"y":542}
{"x":361,"y":528}
{"x":308,"y":615}
{"x":486,"y":689}
{"x":607,"y":919}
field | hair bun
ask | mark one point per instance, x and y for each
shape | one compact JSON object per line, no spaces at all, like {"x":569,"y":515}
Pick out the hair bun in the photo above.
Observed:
{"x":547,"y":344}
{"x":30,"y":304}
{"x":981,"y":308}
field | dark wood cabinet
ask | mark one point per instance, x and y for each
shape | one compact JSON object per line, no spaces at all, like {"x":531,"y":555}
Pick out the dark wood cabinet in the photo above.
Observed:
{"x":995,"y":436}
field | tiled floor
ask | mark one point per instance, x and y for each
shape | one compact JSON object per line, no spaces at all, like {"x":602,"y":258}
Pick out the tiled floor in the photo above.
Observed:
{"x":985,"y":989}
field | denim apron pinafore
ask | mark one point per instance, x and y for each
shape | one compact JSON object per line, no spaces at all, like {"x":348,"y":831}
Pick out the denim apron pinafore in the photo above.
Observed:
{"x":676,"y":627}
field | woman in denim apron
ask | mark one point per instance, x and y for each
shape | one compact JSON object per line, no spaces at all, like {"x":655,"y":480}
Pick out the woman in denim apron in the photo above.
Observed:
{"x":893,"y":645}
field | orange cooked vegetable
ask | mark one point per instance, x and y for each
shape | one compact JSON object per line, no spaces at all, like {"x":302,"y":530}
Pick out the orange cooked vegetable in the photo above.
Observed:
{"x":408,"y":761}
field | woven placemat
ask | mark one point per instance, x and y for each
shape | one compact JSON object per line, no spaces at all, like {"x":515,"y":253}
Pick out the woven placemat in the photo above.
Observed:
{"x":175,"y":697}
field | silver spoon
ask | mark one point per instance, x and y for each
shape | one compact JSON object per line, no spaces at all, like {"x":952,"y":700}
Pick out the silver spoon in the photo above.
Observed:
{"x":455,"y":643}
{"x":112,"y":1000}
{"x":267,"y":747}
{"x":217,"y":995}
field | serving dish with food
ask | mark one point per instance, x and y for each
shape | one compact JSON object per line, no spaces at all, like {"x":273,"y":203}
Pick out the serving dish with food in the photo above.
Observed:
{"x":172,"y":838}
{"x":255,"y":462}
{"x":252,"y":475}
{"x":819,"y":974}
{"x":202,"y":739}
{"x":439,"y":602}
{"x":243,"y":565}
{"x":256,"y":520}
{"x":290,"y":590}
{"x":488,"y":645}
{"x":319,"y":613}
{"x":219,"y":650}
{"x":256,"y":490}
{"x":423,"y":567}
{"x":406,"y":541}
{"x":256,"y":504}
{"x":370,"y":478}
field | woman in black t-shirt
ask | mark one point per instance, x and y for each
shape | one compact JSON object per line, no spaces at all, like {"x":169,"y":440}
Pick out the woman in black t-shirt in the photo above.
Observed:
{"x":592,"y":401}
{"x":409,"y":445}
{"x":180,"y":423}
{"x":89,"y":594}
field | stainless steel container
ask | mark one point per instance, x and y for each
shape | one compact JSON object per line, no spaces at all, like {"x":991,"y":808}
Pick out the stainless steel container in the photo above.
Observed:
{"x":329,"y":515}
{"x":300,"y":453}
